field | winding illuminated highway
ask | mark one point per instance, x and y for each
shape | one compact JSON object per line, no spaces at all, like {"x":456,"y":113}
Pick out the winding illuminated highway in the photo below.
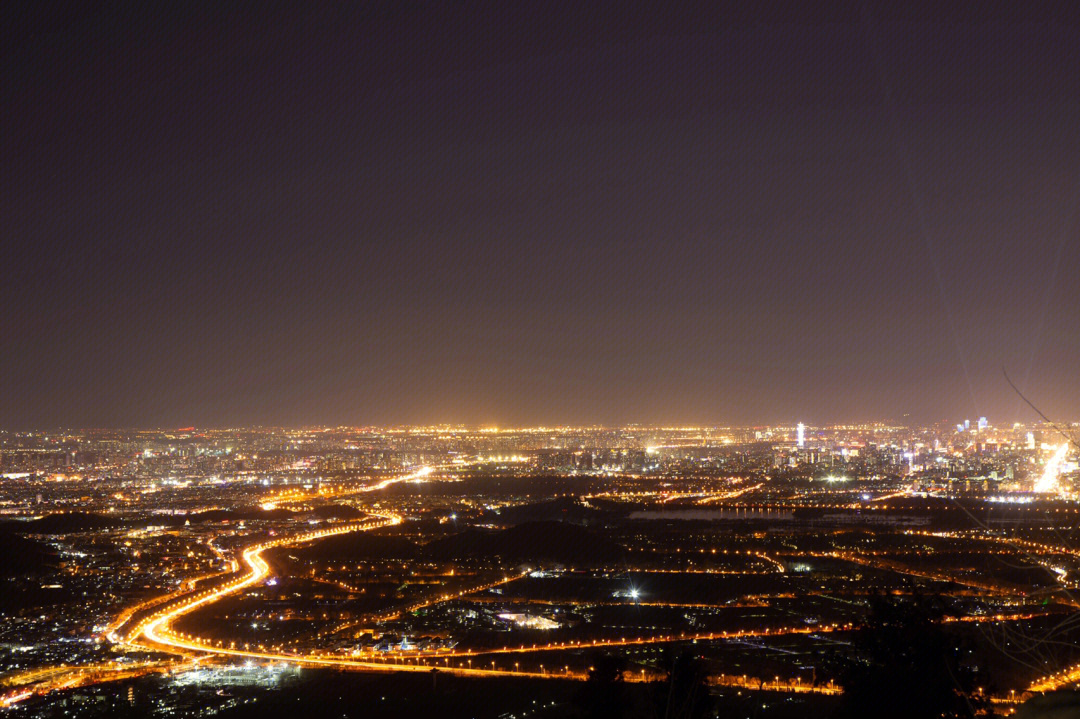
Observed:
{"x":151,"y":623}
{"x":155,"y":628}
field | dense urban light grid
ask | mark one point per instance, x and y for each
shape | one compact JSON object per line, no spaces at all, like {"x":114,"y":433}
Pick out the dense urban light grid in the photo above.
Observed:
{"x":196,"y":570}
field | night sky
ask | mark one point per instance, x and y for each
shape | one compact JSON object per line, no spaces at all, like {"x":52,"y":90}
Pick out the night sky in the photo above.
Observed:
{"x":523,"y":213}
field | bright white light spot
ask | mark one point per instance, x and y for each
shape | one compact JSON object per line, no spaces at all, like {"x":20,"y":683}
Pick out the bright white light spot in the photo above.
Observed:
{"x":1048,"y":483}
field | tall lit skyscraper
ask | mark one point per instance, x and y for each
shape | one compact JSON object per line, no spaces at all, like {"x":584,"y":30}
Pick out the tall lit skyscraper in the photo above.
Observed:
{"x":800,"y":434}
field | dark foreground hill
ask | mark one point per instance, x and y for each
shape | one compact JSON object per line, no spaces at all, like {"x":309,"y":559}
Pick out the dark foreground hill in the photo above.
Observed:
{"x":359,"y":546}
{"x":561,"y":509}
{"x":352,"y":695}
{"x":210,"y":516}
{"x":336,"y":511}
{"x":25,"y":557}
{"x":247,"y":514}
{"x":530,"y":542}
{"x":63,"y":523}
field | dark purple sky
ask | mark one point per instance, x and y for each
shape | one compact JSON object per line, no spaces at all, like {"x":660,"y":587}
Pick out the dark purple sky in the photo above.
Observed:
{"x":537,"y":213}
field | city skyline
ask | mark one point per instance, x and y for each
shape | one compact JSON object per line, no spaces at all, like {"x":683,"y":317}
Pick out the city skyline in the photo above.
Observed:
{"x":387,"y":572}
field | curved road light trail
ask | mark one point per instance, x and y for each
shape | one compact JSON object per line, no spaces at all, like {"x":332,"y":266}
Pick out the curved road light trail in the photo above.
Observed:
{"x":1059,"y":680}
{"x":156,"y":627}
{"x":258,"y":569}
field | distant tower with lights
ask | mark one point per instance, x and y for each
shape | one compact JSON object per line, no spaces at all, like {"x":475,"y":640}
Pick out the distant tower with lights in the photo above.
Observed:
{"x":800,"y":435}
